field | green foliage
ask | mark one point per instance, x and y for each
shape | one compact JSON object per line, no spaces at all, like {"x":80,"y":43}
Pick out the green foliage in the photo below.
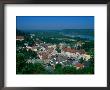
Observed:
{"x":20,"y":62}
{"x":58,"y":69}
{"x":69,"y":70}
{"x":39,"y":68}
{"x":28,"y":68}
{"x":31,"y":68}
{"x":28,"y":54}
{"x":20,"y":43}
{"x":20,"y":33}
{"x":32,"y":54}
{"x":88,"y":45}
{"x":81,"y":60}
{"x":88,"y":70}
{"x":49,"y":70}
{"x":58,"y":50}
{"x":31,"y":41}
{"x":91,"y":52}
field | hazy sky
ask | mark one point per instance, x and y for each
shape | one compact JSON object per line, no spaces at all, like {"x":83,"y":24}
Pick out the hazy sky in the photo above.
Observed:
{"x":54,"y":22}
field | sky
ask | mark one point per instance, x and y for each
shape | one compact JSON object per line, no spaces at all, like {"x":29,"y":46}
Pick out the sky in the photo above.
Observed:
{"x":54,"y":22}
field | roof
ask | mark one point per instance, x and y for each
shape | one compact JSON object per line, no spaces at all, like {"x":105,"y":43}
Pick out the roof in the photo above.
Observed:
{"x":81,"y":51}
{"x":34,"y":47}
{"x":50,"y":50}
{"x":19,"y":37}
{"x":71,"y":50}
{"x":44,"y":55}
{"x":79,"y":65}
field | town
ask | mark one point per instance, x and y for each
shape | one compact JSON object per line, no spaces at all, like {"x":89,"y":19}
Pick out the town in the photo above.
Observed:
{"x":53,"y":53}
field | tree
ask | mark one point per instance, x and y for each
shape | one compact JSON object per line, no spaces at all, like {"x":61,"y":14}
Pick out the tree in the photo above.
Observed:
{"x":39,"y":68}
{"x":88,"y":45}
{"x":81,"y":60}
{"x":28,"y":68}
{"x":69,"y":70}
{"x":88,"y":70}
{"x":31,"y":68}
{"x":58,"y":69}
{"x":20,"y":62}
{"x":58,"y":50}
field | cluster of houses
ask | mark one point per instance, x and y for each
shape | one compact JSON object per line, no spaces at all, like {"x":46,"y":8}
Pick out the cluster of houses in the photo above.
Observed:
{"x":50,"y":56}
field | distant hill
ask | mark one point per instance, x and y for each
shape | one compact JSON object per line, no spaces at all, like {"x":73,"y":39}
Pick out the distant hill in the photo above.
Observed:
{"x":89,"y":32}
{"x":75,"y":32}
{"x":20,"y":33}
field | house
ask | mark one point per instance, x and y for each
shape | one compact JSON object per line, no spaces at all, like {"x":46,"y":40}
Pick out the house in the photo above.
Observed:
{"x":54,"y":52}
{"x":20,"y":38}
{"x":61,"y":45}
{"x":79,"y":66}
{"x":44,"y":56}
{"x":68,"y":54}
{"x":86,"y":57}
{"x":75,"y":62}
{"x":44,"y":45}
{"x":81,"y":51}
{"x":61,"y":58}
{"x":28,"y":47}
{"x":51,"y":46}
{"x":71,"y":50}
{"x":34,"y":48}
{"x":78,"y":45}
{"x":50,"y":50}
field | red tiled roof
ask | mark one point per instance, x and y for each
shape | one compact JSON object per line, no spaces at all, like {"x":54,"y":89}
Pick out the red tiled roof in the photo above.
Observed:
{"x":44,"y":55}
{"x":79,"y":65}
{"x":69,"y":50}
